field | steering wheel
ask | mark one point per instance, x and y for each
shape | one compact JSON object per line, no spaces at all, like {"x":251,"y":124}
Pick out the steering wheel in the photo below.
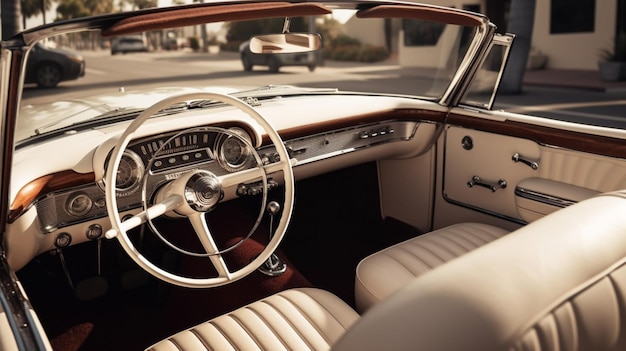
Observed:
{"x":196,"y":192}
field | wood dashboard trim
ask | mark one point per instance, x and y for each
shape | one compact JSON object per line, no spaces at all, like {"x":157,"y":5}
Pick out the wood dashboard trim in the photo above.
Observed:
{"x":43,"y":185}
{"x":595,"y":144}
{"x":404,"y":114}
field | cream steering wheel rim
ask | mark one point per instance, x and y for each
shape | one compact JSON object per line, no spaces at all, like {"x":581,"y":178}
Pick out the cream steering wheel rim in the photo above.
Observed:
{"x":225,"y":276}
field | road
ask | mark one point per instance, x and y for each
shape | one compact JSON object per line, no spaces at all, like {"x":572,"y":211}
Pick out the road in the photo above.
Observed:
{"x":577,"y":105}
{"x":106,"y":74}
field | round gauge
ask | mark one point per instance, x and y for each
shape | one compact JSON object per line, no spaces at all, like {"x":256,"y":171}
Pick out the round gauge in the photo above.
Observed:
{"x":232,"y":150}
{"x":78,"y":204}
{"x":129,"y":173}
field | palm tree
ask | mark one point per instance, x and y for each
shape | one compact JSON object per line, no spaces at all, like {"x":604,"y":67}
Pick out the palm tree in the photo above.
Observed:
{"x":521,"y":23}
{"x":10,"y":10}
{"x":141,"y":4}
{"x":30,"y":8}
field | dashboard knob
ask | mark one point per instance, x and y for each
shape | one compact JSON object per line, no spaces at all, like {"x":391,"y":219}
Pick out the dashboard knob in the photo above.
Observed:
{"x":273,"y":207}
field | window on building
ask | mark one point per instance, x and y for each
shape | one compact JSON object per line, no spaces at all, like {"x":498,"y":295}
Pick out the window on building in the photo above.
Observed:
{"x":572,"y":16}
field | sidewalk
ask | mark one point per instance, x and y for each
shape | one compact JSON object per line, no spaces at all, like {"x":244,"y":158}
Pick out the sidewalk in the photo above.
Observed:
{"x":576,"y":79}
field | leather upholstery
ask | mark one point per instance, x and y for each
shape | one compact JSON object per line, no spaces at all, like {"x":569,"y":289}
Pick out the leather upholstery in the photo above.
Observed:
{"x":558,"y":283}
{"x":383,"y":273}
{"x":297,"y":319}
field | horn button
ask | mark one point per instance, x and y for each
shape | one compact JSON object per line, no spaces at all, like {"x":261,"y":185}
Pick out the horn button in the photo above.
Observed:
{"x":203,"y":191}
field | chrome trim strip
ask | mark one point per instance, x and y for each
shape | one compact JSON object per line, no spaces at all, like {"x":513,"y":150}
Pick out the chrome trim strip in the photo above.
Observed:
{"x":18,"y":312}
{"x":543,"y":198}
{"x":326,"y":145}
{"x":483,"y":210}
{"x":468,"y":67}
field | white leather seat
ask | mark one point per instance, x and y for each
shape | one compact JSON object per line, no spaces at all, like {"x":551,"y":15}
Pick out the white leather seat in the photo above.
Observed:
{"x":558,"y":283}
{"x":297,"y":319}
{"x":386,"y":271}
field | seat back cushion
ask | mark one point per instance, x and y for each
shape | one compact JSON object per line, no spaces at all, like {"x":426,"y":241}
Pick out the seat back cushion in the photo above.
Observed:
{"x":558,"y":283}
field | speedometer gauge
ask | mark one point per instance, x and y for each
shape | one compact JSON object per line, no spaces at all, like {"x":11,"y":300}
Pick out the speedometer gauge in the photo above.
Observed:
{"x":232,"y":150}
{"x":129,"y":173}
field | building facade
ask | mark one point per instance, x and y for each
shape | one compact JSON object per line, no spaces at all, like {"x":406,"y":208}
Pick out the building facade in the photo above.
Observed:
{"x":567,"y":34}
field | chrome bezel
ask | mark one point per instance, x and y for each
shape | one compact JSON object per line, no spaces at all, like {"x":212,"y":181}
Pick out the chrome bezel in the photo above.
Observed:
{"x":238,"y":135}
{"x":70,"y":210}
{"x":137,"y":172}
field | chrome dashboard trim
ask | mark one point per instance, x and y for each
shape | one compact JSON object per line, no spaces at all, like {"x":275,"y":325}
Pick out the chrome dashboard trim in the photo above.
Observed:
{"x":322,"y":146}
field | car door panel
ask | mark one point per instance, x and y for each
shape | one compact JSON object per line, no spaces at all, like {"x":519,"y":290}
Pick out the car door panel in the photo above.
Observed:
{"x":479,"y":171}
{"x":540,"y":176}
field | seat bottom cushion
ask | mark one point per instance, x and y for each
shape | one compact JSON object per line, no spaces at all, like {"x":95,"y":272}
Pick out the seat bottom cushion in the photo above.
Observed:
{"x":295,"y":319}
{"x":384,"y":272}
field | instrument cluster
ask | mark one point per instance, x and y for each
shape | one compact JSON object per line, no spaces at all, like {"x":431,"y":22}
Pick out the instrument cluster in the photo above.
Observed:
{"x":151,"y":162}
{"x":175,"y":152}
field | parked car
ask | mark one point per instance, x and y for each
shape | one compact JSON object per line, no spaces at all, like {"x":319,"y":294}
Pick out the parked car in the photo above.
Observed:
{"x":274,"y":61}
{"x":47,"y":67}
{"x":177,"y":204}
{"x":129,"y":43}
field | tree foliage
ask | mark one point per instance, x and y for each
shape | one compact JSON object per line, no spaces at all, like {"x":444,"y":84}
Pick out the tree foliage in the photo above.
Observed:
{"x":329,"y":28}
{"x":32,"y":8}
{"x":68,"y":9}
{"x":99,"y":7}
{"x":141,"y":4}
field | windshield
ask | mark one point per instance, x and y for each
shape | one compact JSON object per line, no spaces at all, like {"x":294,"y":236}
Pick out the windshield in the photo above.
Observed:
{"x":83,"y":76}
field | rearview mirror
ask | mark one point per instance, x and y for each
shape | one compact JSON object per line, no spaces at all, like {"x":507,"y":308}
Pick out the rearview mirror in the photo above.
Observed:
{"x":285,"y":43}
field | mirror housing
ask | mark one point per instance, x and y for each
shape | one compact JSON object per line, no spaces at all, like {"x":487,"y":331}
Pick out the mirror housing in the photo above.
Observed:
{"x":285,"y":43}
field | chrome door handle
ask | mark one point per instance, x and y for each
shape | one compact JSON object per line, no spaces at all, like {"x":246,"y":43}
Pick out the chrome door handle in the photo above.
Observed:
{"x":501,"y":184}
{"x":519,"y":158}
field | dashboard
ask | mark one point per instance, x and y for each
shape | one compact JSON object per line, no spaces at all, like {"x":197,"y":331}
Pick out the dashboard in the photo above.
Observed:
{"x":63,"y":213}
{"x":150,"y":162}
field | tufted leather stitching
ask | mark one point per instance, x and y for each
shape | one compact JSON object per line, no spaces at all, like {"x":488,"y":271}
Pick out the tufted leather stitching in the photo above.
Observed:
{"x":220,"y":331}
{"x":457,"y":239}
{"x":309,"y":319}
{"x":482,"y":233}
{"x":269,"y":325}
{"x":289,"y":321}
{"x":198,"y":336}
{"x":396,"y":255}
{"x":592,"y":172}
{"x":432,"y":245}
{"x":569,"y":321}
{"x":417,"y":256}
{"x":298,"y":313}
{"x":452,"y":235}
{"x":246,"y":328}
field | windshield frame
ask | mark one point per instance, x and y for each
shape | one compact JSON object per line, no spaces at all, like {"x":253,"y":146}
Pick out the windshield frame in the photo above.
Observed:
{"x":139,"y":21}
